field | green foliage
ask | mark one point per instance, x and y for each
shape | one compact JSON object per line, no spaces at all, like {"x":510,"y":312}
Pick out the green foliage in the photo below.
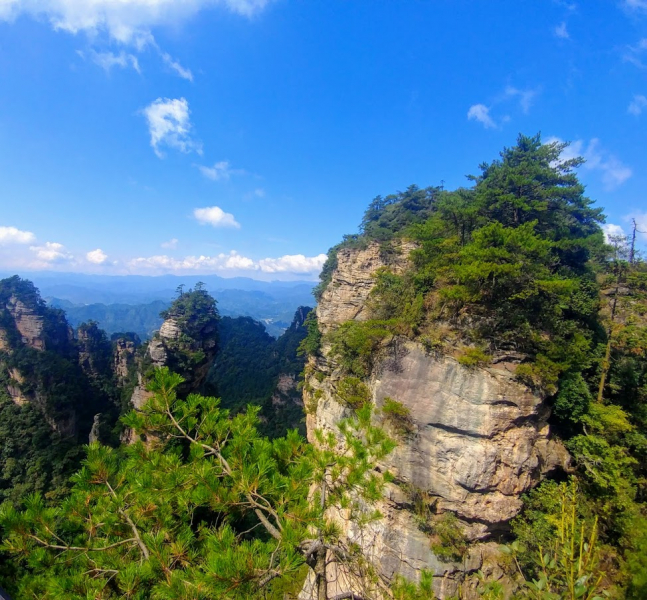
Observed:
{"x":325,"y":277}
{"x":205,"y":508}
{"x":33,"y":458}
{"x":63,"y":386}
{"x":474,"y":357}
{"x":559,"y":547}
{"x":248,"y":366}
{"x":542,"y":374}
{"x":311,"y":343}
{"x":353,"y":392}
{"x":355,"y":344}
{"x":395,"y":297}
{"x":448,"y":540}
{"x":573,"y":400}
{"x":403,"y":589}
{"x":398,"y":415}
{"x":196,"y":315}
{"x":194,"y":311}
{"x":387,"y":217}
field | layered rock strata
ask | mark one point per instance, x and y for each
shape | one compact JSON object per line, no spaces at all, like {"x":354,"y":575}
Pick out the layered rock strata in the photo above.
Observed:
{"x":476,"y":441}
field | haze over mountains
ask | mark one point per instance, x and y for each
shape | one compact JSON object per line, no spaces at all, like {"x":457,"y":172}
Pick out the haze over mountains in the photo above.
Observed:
{"x":133,"y":302}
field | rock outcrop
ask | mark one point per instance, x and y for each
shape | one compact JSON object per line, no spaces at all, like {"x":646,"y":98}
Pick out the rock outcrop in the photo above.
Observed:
{"x":170,"y":348}
{"x":344,"y":298}
{"x":123,"y":357}
{"x":28,"y":323}
{"x":477,"y":439}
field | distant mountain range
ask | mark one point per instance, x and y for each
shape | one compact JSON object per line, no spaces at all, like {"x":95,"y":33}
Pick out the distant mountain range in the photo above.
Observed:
{"x":133,"y":302}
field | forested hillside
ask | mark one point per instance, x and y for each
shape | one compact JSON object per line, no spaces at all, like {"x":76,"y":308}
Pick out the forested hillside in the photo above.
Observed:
{"x":513,"y":272}
{"x":51,"y":387}
{"x":254,"y":368}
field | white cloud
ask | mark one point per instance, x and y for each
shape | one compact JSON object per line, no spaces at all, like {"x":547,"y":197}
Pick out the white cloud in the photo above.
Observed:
{"x":221,"y":171}
{"x":561,"y":31}
{"x":214,"y":215}
{"x":634,"y":54}
{"x":611,"y":230}
{"x":11,"y":235}
{"x":97,"y":257}
{"x":614,"y":172}
{"x":641,"y":222}
{"x":637,"y":105}
{"x":173,"y":64}
{"x":293,"y":263}
{"x":126,"y":21}
{"x":108,"y":60}
{"x":220,"y":262}
{"x":171,"y":244}
{"x":481,"y":113}
{"x":296,"y":264}
{"x":51,"y":252}
{"x":526,"y":97}
{"x":635,"y":4}
{"x":169,"y":125}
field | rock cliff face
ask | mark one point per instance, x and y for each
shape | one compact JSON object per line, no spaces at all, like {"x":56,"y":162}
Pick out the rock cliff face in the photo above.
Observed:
{"x":123,"y":357}
{"x":28,"y":323}
{"x":170,"y":348}
{"x":43,"y":365}
{"x":477,"y":439}
{"x":345,"y":296}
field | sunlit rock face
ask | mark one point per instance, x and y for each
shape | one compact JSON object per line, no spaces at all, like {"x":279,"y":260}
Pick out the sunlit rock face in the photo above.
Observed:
{"x":479,"y":440}
{"x":28,"y":323}
{"x":163,"y":351}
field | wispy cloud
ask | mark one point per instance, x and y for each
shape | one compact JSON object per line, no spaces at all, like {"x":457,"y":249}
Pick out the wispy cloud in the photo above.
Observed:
{"x":108,"y":60}
{"x":635,"y":54}
{"x":51,"y":252}
{"x":169,"y":125}
{"x":561,"y":31}
{"x":175,"y":66}
{"x":635,"y":5}
{"x":526,"y":97}
{"x":221,"y":171}
{"x":171,"y":244}
{"x":614,"y":173}
{"x":637,"y":105}
{"x":481,"y":113}
{"x":125,"y":21}
{"x":216,"y":217}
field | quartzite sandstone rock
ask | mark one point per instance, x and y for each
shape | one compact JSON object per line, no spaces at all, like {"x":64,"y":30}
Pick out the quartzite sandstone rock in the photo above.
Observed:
{"x":344,"y":298}
{"x":123,"y":358}
{"x":479,"y":438}
{"x":28,"y":323}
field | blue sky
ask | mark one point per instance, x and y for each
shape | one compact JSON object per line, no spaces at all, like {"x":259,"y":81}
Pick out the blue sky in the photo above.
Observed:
{"x":245,"y":137}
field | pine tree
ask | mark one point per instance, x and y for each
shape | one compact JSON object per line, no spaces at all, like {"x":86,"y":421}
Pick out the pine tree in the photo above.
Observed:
{"x":200,"y":507}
